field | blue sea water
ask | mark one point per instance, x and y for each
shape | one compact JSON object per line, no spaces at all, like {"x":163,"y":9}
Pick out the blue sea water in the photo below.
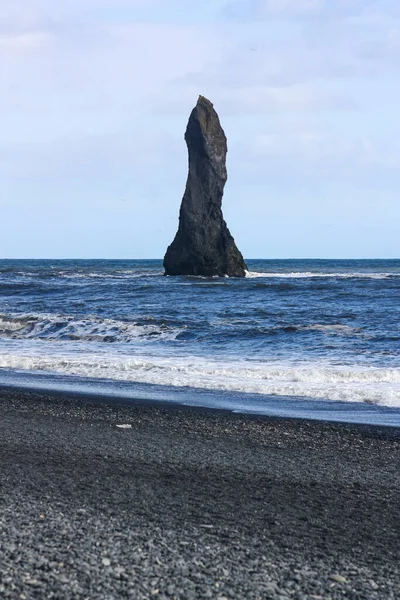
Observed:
{"x":320,"y":334}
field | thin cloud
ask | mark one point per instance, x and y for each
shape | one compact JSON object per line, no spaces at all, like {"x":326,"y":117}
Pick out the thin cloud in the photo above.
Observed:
{"x":317,"y":147}
{"x":308,"y":9}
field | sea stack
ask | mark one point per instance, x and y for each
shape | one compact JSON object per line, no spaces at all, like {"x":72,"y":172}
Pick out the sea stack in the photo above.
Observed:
{"x":203,"y":244}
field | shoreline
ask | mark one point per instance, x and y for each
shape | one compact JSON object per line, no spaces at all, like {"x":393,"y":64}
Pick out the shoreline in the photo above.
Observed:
{"x":92,"y":398}
{"x":26,"y":399}
{"x":190,"y":502}
{"x":103,"y":391}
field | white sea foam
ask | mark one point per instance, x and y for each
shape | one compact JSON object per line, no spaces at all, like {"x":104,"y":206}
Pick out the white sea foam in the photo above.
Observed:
{"x":319,"y":381}
{"x":333,"y":328}
{"x":128,"y":274}
{"x":312,"y":274}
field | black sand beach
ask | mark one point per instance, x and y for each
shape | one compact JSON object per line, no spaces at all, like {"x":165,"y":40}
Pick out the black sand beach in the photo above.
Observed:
{"x":192,"y":504}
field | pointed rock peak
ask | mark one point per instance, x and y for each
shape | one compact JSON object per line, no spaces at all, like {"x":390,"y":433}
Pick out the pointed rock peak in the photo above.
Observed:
{"x":203,"y":101}
{"x":203,"y":244}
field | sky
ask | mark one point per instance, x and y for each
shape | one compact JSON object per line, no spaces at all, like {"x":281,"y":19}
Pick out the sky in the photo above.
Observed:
{"x":95,"y":99}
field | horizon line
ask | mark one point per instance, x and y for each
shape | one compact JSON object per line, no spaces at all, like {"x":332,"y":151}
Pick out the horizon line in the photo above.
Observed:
{"x":161,"y":259}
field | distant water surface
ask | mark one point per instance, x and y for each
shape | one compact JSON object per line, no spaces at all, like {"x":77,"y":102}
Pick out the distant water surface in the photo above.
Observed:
{"x":314,"y":330}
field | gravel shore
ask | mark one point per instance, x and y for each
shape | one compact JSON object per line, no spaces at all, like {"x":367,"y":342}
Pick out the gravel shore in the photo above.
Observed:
{"x":189,"y":504}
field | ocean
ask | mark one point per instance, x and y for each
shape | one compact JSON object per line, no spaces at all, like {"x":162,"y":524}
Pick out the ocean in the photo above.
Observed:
{"x":315,"y":338}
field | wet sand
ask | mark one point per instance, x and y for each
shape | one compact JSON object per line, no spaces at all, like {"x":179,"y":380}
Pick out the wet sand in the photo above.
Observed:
{"x":189,"y":503}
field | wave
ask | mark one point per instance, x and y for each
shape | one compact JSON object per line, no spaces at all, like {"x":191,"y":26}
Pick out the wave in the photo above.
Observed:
{"x":334,"y":328}
{"x":92,"y":328}
{"x":127,"y":274}
{"x":319,"y":381}
{"x":50,"y":273}
{"x":89,"y":329}
{"x":313,"y":274}
{"x":116,"y":274}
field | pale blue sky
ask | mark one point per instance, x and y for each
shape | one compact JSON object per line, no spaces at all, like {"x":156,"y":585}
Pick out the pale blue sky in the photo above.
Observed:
{"x":95,"y":99}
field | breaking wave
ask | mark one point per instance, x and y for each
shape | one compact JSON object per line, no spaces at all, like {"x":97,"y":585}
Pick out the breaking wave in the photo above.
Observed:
{"x":92,"y":328}
{"x":57,"y":273}
{"x":311,"y":274}
{"x":87,"y":329}
{"x":325,"y":382}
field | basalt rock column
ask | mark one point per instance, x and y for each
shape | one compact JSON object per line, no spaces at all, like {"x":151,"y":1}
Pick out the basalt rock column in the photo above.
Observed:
{"x":203,"y":244}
